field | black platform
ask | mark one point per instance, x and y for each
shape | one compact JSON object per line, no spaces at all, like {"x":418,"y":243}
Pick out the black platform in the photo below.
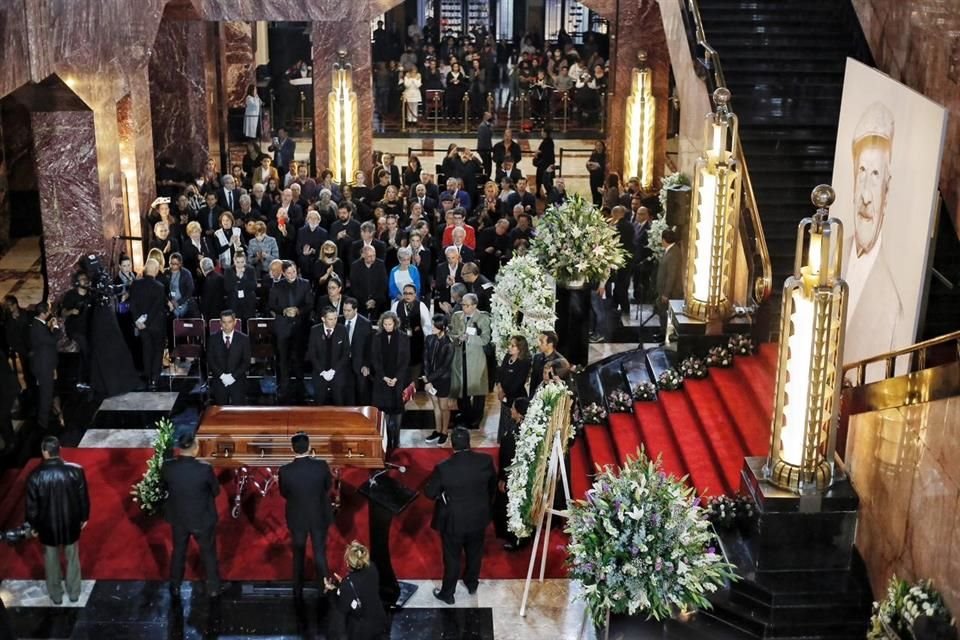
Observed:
{"x":137,"y":409}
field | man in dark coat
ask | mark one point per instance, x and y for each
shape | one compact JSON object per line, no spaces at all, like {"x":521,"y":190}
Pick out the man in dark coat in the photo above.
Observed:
{"x":148,"y":308}
{"x":329,"y":354}
{"x":368,"y":282}
{"x":212,"y":291}
{"x":58,"y":507}
{"x":623,"y":275}
{"x":191,"y":511}
{"x":228,"y":359}
{"x":44,"y":355}
{"x":358,"y":330}
{"x":669,"y":276}
{"x":463,"y":487}
{"x":290,"y":301}
{"x":305,"y":485}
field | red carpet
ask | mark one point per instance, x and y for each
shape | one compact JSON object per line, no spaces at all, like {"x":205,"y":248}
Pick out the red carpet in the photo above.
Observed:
{"x":702,"y":431}
{"x":121,"y":543}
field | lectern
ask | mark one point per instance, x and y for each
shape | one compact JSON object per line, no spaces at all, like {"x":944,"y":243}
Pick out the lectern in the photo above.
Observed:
{"x":388,"y":497}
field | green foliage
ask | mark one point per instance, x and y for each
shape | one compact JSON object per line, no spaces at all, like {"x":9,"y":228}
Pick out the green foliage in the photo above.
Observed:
{"x":149,"y":492}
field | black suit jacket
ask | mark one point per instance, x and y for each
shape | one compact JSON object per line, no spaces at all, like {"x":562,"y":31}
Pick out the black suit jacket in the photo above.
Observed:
{"x":369,"y":283}
{"x":148,"y":296}
{"x":441,"y":290}
{"x":43,"y":348}
{"x":285,"y":294}
{"x":357,"y":246}
{"x":360,"y":345}
{"x":339,"y":356}
{"x":212,"y":295}
{"x":208,"y":218}
{"x":463,"y":486}
{"x":305,"y":484}
{"x":429,"y":204}
{"x":192,"y":487}
{"x":235,"y":360}
{"x":222,"y":199}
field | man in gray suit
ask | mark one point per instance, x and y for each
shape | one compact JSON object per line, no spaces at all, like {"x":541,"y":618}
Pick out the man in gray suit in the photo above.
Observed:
{"x":874,"y":300}
{"x":669,"y":275}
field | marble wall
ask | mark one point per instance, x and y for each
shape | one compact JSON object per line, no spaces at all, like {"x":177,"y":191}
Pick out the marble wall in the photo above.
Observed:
{"x":905,"y":466}
{"x":238,"y":71}
{"x":352,"y":34}
{"x":639,"y":26}
{"x":67,"y":173}
{"x":917,"y":42}
{"x":4,"y":197}
{"x":179,"y":94}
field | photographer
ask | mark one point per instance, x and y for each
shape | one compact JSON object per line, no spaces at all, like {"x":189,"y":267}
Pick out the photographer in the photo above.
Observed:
{"x":75,"y":309}
{"x":58,"y":507}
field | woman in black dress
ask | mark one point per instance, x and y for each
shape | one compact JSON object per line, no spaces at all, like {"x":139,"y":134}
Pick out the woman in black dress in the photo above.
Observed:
{"x":457,"y":85}
{"x":597,"y":166}
{"x":512,"y":380}
{"x":390,"y":359}
{"x":437,"y":369}
{"x":506,"y":453}
{"x":356,"y":597}
{"x":240,"y":288}
{"x":545,"y":161}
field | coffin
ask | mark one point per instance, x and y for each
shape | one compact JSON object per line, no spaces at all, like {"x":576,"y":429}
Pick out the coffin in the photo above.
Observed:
{"x":260,"y":436}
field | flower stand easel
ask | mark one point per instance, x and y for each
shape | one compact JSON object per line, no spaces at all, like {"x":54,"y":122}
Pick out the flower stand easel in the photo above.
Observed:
{"x":559,"y":432}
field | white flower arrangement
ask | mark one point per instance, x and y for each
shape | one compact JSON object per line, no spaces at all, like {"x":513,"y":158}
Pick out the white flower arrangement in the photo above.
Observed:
{"x":740,"y":344}
{"x":525,"y":475}
{"x":693,"y":367}
{"x":719,"y":357}
{"x":645,"y":392}
{"x":905,"y":605}
{"x":523,"y":303}
{"x":575,"y":243}
{"x":670,"y":380}
{"x":149,"y":493}
{"x":640,"y":543}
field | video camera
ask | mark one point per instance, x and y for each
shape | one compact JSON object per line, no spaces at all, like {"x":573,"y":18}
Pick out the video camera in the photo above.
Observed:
{"x":100,"y":282}
{"x":17,"y":534}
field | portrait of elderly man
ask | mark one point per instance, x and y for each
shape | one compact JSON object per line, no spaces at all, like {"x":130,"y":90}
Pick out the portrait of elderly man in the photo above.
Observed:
{"x":875,"y":306}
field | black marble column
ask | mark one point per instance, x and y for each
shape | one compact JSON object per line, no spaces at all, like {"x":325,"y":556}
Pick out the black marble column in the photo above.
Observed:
{"x":573,"y":323}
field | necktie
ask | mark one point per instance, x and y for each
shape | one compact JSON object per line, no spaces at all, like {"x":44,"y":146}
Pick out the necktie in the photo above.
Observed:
{"x":226,"y":341}
{"x":229,"y":200}
{"x":350,"y":331}
{"x":328,"y":333}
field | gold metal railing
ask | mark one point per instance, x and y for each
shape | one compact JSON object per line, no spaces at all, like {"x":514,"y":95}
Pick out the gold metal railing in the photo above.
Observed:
{"x":755,"y":242}
{"x":917,"y":353}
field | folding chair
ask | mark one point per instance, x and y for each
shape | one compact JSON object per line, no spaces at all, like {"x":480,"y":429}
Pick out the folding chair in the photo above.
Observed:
{"x":214,"y":326}
{"x":189,"y":342}
{"x":260,"y":331}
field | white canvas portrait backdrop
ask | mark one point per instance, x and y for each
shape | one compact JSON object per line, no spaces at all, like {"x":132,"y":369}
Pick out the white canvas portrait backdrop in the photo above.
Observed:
{"x":919,"y":127}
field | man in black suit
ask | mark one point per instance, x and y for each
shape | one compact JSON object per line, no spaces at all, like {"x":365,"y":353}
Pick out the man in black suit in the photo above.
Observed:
{"x":228,"y":196}
{"x":358,"y":330}
{"x":273,"y":277}
{"x":228,"y":358}
{"x":643,"y":254}
{"x":623,"y":275}
{"x":291,"y":300}
{"x":305,"y":485}
{"x":367,"y":239}
{"x":448,"y":274}
{"x":368,"y":282}
{"x":345,"y":230}
{"x":669,"y":276}
{"x":191,"y":511}
{"x":284,"y":148}
{"x":212,"y":290}
{"x":309,"y":239}
{"x":389,"y":168}
{"x":463,"y":487}
{"x":428,"y":204}
{"x":148,"y":307}
{"x":44,"y":335}
{"x":329,"y":354}
{"x":477,"y":284}
{"x":209,"y":214}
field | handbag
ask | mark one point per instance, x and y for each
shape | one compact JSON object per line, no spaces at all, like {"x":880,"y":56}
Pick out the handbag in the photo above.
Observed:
{"x":408,"y":392}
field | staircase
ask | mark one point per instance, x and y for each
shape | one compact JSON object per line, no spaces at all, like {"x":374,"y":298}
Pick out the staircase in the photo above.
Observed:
{"x":783,"y":61}
{"x":702,"y":431}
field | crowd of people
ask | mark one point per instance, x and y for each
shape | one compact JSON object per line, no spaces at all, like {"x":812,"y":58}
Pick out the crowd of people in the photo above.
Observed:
{"x":427,"y":72}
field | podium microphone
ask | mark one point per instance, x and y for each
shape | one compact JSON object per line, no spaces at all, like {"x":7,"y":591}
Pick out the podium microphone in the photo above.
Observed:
{"x":387,"y":467}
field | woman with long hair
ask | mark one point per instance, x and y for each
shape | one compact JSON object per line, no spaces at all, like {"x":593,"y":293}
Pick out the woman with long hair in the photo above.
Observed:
{"x":597,"y":167}
{"x":328,"y":266}
{"x":411,"y":172}
{"x":390,"y":359}
{"x":226,"y":240}
{"x":512,"y":379}
{"x":611,"y":192}
{"x":437,"y":370}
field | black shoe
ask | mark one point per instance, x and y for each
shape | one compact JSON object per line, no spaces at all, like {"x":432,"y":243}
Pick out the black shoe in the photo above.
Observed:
{"x":433,"y":437}
{"x":471,"y":589}
{"x":441,"y":439}
{"x":443,"y":598}
{"x":174,"y":591}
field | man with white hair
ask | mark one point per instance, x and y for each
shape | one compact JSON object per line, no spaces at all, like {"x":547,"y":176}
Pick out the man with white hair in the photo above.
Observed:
{"x":874,"y":301}
{"x":149,"y":310}
{"x":309,"y":239}
{"x":294,"y":211}
{"x":260,"y":202}
{"x":228,"y":196}
{"x":448,"y":274}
